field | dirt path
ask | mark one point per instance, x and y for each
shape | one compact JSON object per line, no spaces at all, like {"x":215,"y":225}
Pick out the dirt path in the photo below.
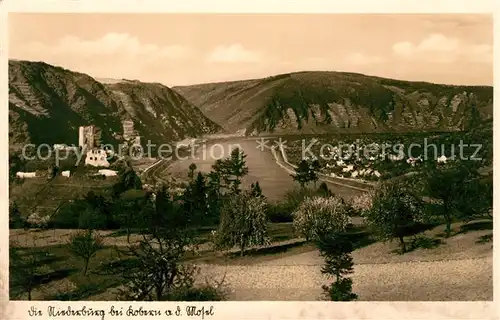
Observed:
{"x":469,"y":279}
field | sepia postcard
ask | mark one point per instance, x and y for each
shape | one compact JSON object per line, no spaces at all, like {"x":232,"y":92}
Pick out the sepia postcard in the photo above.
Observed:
{"x":216,"y":160}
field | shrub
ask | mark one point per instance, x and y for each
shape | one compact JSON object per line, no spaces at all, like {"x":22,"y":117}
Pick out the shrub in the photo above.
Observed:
{"x":320,"y":215}
{"x":37,"y":221}
{"x":278,"y":213}
{"x":362,"y":202}
{"x":424,"y":242}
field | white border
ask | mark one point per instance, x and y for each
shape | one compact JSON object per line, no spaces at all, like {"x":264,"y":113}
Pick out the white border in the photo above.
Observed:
{"x":250,"y":310}
{"x":254,"y":6}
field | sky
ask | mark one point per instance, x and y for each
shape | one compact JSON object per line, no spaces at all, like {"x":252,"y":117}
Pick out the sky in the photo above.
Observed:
{"x":183,"y":49}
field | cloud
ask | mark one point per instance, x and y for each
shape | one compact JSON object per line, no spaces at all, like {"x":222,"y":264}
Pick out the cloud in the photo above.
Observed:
{"x":363,"y":59}
{"x":440,"y":48}
{"x":233,"y":53}
{"x":111,"y":44}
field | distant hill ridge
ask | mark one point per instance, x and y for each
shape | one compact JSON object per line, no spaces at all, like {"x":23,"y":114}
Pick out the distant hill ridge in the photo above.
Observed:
{"x":47,"y":104}
{"x":327,"y":101}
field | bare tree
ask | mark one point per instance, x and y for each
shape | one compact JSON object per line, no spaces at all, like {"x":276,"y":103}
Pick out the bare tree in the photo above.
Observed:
{"x":85,"y":245}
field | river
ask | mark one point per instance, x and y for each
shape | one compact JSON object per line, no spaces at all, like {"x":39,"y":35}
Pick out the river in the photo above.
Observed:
{"x":274,"y":180}
{"x":262,"y":167}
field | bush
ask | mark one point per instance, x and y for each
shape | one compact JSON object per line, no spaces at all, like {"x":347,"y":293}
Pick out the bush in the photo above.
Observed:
{"x":424,"y":242}
{"x":485,"y":239}
{"x":320,"y":215}
{"x":362,"y":203}
{"x":278,"y":213}
{"x":36,"y":221}
{"x":282,"y":211}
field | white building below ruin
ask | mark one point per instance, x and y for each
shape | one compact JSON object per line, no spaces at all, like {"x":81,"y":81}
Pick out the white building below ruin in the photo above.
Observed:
{"x":97,"y":158}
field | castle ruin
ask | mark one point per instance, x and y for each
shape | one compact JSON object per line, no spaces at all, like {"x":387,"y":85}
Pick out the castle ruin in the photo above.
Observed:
{"x":89,"y":137}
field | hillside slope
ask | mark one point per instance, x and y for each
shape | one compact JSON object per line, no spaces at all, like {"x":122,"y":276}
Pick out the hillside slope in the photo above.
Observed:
{"x":47,"y":104}
{"x":319,"y":102}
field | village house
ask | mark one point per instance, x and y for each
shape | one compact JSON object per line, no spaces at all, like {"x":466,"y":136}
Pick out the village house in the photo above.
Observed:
{"x":394,"y":157}
{"x":62,"y":146}
{"x":66,"y":173}
{"x":24,"y":175}
{"x":442,"y":159}
{"x":107,"y":172}
{"x":348,"y":168}
{"x":412,"y":161}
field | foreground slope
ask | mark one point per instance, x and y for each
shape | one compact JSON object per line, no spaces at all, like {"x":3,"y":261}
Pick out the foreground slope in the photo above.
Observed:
{"x":319,"y":102}
{"x":47,"y":104}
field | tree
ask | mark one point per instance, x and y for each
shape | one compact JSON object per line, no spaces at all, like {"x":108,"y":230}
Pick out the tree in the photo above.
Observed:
{"x":192,"y":169}
{"x":243,"y":223}
{"x":302,"y":175}
{"x":27,"y":269}
{"x":336,"y":249}
{"x":195,"y":201}
{"x":458,"y":191}
{"x":128,"y":180}
{"x":394,"y":211}
{"x":255,"y":189}
{"x":214,"y":196}
{"x":96,"y":212}
{"x":129,"y":207}
{"x":307,"y":172}
{"x":318,"y":216}
{"x":314,"y":167}
{"x":85,"y":245}
{"x":362,"y":203}
{"x":154,"y":270}
{"x":233,"y":169}
{"x":16,"y":163}
{"x":15,"y":219}
{"x":324,"y":190}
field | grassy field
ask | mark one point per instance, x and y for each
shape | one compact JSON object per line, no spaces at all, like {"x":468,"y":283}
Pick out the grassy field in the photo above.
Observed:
{"x":287,"y":259}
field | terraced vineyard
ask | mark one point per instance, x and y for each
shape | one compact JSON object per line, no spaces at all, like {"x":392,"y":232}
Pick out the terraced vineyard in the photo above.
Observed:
{"x":45,"y":197}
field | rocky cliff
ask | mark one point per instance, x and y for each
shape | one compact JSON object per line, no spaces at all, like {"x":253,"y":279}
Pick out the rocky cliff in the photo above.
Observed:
{"x":47,"y":104}
{"x":320,"y":102}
